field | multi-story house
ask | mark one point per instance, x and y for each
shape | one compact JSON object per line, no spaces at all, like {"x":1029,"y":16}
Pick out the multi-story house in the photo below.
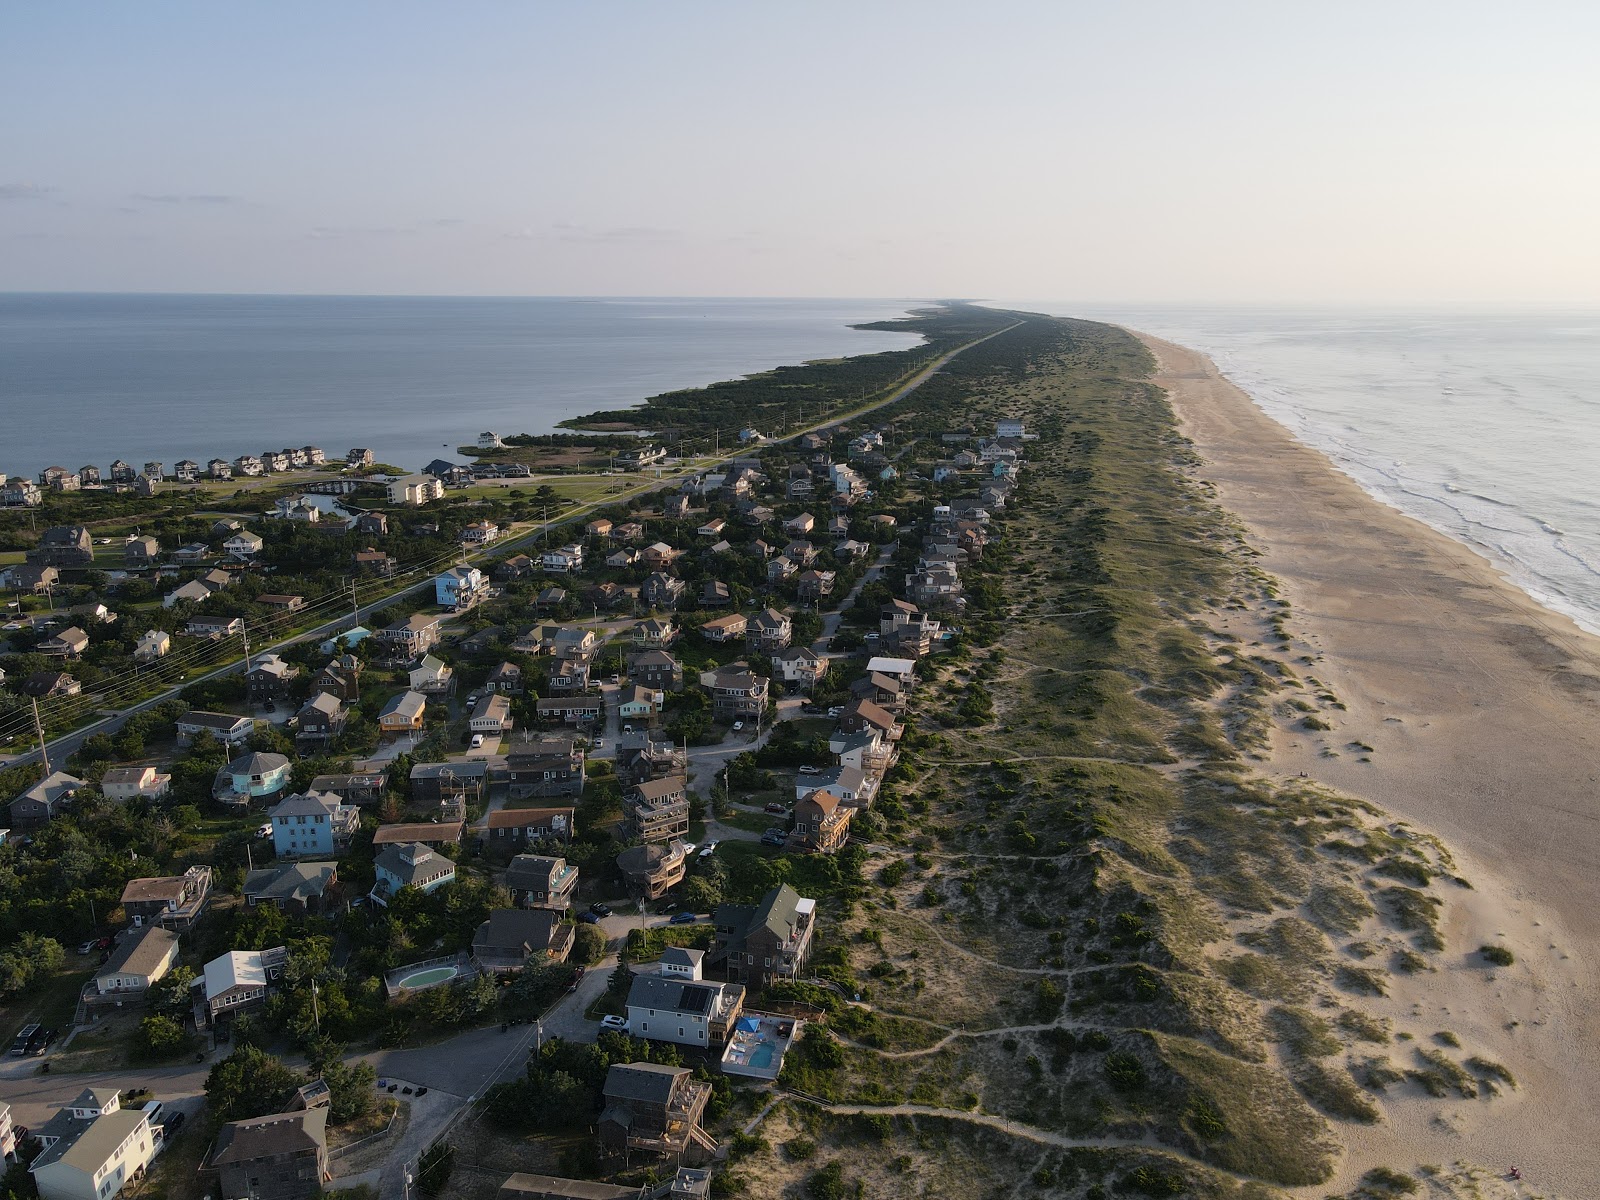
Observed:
{"x":639,"y":758}
{"x":269,"y":678}
{"x":215,"y":628}
{"x":312,"y":826}
{"x":769,"y":631}
{"x":660,"y":590}
{"x":92,"y":1148}
{"x":563,"y":560}
{"x":248,"y":464}
{"x":540,"y":881}
{"x":490,"y":716}
{"x":63,"y":546}
{"x":737,"y":694}
{"x":412,"y":865}
{"x":140,"y":551}
{"x":657,"y":810}
{"x":549,"y":767}
{"x":653,"y":869}
{"x":122,"y":472}
{"x":812,"y":585}
{"x":358,"y":457}
{"x":763,"y":943}
{"x":656,"y":670}
{"x":655,"y":1112}
{"x":172,"y":901}
{"x":821,"y":823}
{"x":244,"y":545}
{"x":89,"y":476}
{"x":799,"y":665}
{"x":459,"y":587}
{"x":411,"y":638}
{"x":135,"y":783}
{"x":220,"y":469}
{"x":69,"y":643}
{"x":320,"y":720}
{"x":278,"y":1157}
{"x":240,"y":980}
{"x":674,"y":1004}
{"x":187,"y":471}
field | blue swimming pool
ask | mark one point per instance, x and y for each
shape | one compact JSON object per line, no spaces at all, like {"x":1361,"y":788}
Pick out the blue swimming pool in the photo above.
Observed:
{"x":761,"y":1056}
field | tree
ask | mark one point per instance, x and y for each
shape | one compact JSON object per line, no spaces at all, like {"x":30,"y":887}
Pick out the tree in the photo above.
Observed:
{"x":351,"y":1089}
{"x":589,"y":945}
{"x":160,"y":1035}
{"x":249,"y":1083}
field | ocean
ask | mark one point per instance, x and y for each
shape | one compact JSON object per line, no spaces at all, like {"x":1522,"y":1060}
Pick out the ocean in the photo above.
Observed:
{"x":1483,"y":424}
{"x":85,"y":379}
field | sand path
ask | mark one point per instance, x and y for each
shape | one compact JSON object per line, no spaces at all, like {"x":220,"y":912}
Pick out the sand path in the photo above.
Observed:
{"x":1483,"y":710}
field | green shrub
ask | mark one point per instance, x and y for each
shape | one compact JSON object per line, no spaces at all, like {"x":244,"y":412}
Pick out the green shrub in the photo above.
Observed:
{"x":1498,"y":955}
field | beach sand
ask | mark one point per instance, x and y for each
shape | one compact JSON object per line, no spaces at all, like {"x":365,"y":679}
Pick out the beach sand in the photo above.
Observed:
{"x":1482,"y":710}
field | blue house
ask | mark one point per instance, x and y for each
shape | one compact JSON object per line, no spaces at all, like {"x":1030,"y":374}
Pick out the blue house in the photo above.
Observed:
{"x":312,"y":825}
{"x":255,"y":776}
{"x":458,"y":587}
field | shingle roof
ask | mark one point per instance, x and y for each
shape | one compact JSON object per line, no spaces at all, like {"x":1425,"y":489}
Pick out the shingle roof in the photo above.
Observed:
{"x":267,"y":1137}
{"x":140,"y":954}
{"x":650,"y":1083}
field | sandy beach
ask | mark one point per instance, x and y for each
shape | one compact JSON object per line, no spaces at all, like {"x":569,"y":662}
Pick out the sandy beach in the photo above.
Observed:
{"x":1480,"y":708}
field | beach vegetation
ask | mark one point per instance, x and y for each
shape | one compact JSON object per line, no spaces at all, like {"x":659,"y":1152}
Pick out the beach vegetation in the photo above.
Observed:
{"x":1500,"y":956}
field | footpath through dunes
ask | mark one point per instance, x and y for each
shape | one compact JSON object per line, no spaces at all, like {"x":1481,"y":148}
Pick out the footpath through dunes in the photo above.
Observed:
{"x":1171,"y":966}
{"x":1482,"y":711}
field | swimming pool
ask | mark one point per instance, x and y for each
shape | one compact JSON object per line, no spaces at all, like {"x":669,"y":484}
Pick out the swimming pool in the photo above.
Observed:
{"x":761,"y":1056}
{"x":428,"y":978}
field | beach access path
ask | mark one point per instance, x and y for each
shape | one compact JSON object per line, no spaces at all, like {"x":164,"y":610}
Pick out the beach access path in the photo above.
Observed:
{"x":1482,"y":710}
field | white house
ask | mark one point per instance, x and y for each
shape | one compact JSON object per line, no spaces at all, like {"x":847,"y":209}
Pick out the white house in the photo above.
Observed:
{"x":152,"y":644}
{"x":244,"y":545}
{"x":144,"y":958}
{"x":415,"y":490}
{"x":491,"y":715}
{"x":673,"y":1004}
{"x":431,"y":676}
{"x":92,"y":1147}
{"x":563,"y":560}
{"x":131,"y":783}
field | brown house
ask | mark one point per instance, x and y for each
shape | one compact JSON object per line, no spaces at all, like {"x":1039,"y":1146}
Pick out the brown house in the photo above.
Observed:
{"x":511,"y":937}
{"x":655,"y":1112}
{"x":821,"y":823}
{"x":765,"y":942}
{"x":281,"y":1157}
{"x":514,"y":826}
{"x":549,"y":767}
{"x":174,"y":901}
{"x":657,"y":810}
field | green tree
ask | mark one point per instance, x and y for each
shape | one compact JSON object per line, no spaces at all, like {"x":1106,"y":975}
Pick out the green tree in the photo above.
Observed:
{"x":249,"y":1083}
{"x":589,"y":945}
{"x":160,"y":1035}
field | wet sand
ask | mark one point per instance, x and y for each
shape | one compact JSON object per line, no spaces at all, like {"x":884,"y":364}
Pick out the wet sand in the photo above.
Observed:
{"x":1483,"y":713}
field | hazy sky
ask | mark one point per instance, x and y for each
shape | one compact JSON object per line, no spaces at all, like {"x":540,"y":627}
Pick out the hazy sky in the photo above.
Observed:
{"x":1195,"y":150}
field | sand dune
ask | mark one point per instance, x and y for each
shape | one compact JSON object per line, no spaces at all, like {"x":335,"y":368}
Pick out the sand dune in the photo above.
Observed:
{"x":1483,"y":714}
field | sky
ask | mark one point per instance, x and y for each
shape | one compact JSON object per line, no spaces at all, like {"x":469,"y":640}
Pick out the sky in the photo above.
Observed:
{"x":1214,"y":152}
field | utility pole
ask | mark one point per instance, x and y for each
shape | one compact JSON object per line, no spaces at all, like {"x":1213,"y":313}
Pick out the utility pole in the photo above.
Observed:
{"x":246,"y":636}
{"x":38,"y":725}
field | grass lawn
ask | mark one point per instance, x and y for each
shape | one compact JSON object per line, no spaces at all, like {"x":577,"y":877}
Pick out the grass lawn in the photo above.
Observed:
{"x":176,"y":1174}
{"x":752,"y":822}
{"x":51,"y":1003}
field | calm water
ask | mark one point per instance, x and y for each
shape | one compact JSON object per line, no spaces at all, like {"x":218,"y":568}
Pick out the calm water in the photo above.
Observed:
{"x":85,"y":379}
{"x":1485,"y":425}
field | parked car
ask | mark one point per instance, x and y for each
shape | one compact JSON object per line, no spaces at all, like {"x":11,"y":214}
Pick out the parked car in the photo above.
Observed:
{"x":24,"y":1036}
{"x":265,"y":831}
{"x":810,"y":770}
{"x":87,"y":947}
{"x":774,"y":837}
{"x":600,"y":909}
{"x":477,"y":740}
{"x":708,"y":849}
{"x":737,"y":726}
{"x":775,"y":807}
{"x":599,"y":744}
{"x":683,"y":918}
{"x":812,"y":710}
{"x":627,"y":729}
{"x":835,"y":711}
{"x":174,"y":1123}
{"x":589,"y":918}
{"x":472,"y":699}
{"x":620,"y":1024}
{"x":42,"y":1041}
